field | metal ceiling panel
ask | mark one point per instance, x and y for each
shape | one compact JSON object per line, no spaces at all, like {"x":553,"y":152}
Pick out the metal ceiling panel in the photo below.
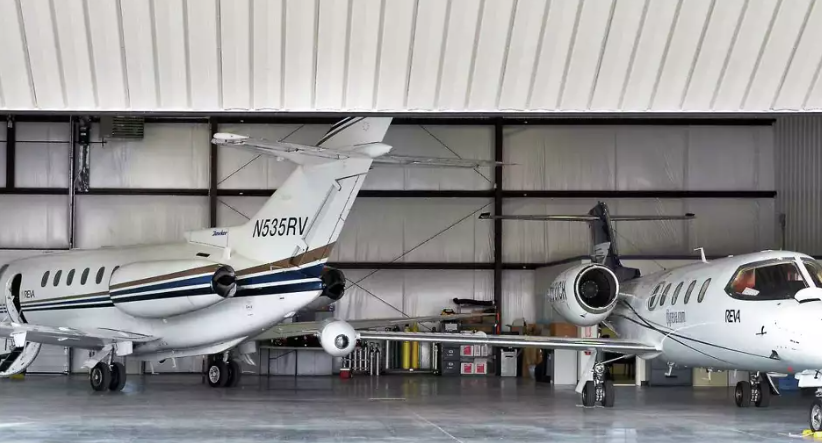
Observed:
{"x":411,"y":55}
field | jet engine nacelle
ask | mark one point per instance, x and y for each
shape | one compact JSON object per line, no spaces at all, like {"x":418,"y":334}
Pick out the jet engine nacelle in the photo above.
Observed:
{"x":167,"y":288}
{"x":338,"y":338}
{"x":16,"y":360}
{"x":584,"y":295}
{"x":333,"y":289}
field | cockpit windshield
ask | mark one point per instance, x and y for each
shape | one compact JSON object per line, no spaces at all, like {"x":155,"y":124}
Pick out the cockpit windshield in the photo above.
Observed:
{"x":769,"y":280}
{"x":815,"y":269}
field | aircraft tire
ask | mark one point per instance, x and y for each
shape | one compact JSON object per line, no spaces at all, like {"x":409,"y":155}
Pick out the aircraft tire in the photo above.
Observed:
{"x":100,"y":377}
{"x":589,"y":394}
{"x":217,"y":374}
{"x":742,"y":394}
{"x":234,"y":373}
{"x":610,"y":395}
{"x":764,"y":399}
{"x":118,"y":377}
{"x":816,"y":415}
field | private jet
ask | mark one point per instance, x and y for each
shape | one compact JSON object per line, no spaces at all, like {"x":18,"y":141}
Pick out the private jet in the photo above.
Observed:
{"x":216,"y":292}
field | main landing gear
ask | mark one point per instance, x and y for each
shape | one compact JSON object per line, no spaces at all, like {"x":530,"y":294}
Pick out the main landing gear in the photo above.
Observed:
{"x":757,"y":391}
{"x":598,"y":390}
{"x":816,"y":412}
{"x":222,"y":372}
{"x":108,"y":376}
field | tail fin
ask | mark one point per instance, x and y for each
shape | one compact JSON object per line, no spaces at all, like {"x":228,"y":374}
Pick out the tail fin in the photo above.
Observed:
{"x":302,"y":220}
{"x":604,"y":245}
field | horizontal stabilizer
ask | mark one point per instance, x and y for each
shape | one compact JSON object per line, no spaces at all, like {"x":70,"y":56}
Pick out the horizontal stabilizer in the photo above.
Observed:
{"x":585,"y":218}
{"x":376,"y":151}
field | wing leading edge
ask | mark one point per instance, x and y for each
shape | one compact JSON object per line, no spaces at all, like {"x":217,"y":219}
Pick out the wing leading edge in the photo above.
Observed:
{"x":519,"y":341}
{"x":285,"y":330}
{"x":61,"y":336}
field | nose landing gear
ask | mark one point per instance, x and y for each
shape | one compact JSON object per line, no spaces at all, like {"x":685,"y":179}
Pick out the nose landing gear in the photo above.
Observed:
{"x":757,"y":390}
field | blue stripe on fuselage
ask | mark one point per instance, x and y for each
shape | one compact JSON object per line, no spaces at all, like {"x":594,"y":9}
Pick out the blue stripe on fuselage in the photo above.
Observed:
{"x":293,"y":274}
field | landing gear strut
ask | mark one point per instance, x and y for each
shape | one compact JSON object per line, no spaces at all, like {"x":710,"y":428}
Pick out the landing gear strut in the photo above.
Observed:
{"x":598,"y":390}
{"x":757,"y":390}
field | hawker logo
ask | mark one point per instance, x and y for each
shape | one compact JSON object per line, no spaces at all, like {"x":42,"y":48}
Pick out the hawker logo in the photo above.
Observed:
{"x":280,"y":226}
{"x":674,"y":317}
{"x":557,"y":292}
{"x":220,"y":232}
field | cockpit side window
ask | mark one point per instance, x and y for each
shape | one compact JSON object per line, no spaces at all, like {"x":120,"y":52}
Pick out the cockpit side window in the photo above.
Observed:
{"x":652,"y":299}
{"x":815,"y":269}
{"x":676,"y":293}
{"x":688,"y":292}
{"x":664,"y":294}
{"x":768,"y":280}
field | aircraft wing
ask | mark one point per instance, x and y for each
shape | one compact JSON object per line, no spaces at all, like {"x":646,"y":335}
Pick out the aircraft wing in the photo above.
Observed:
{"x":284,"y":330}
{"x":408,"y":160}
{"x":95,"y":338}
{"x":518,"y":341}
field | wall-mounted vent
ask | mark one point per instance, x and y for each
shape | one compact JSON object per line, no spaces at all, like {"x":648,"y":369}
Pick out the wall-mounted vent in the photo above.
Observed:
{"x":121,"y":128}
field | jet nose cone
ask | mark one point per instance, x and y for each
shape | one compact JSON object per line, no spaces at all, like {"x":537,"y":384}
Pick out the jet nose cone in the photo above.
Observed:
{"x":797,"y":330}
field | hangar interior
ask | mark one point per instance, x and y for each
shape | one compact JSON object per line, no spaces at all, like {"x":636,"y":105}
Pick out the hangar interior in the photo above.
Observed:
{"x":414,"y":240}
{"x":701,"y":107}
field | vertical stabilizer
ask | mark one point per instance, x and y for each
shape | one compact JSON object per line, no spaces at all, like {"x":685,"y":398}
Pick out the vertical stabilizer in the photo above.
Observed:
{"x":302,"y":220}
{"x":604,"y":244}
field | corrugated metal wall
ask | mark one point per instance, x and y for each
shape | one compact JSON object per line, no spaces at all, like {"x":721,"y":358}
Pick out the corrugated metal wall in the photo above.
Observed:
{"x":798,"y":159}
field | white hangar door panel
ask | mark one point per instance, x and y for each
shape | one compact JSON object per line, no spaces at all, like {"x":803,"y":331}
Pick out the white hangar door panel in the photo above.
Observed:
{"x":51,"y":360}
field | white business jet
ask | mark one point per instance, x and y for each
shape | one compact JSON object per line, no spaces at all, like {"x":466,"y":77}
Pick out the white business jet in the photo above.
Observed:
{"x":758,"y":312}
{"x":214,"y":293}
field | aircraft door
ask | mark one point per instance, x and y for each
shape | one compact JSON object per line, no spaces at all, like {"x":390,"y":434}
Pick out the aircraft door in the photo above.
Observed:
{"x":13,"y":298}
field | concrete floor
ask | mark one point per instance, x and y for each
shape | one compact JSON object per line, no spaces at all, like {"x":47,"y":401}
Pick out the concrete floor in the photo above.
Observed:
{"x":177,"y":408}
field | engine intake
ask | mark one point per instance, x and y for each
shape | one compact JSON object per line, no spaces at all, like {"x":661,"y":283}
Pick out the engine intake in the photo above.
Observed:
{"x":584,"y":295}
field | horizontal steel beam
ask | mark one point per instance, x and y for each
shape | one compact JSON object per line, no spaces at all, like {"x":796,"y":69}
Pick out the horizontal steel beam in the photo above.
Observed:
{"x":399,"y":193}
{"x":451,"y":118}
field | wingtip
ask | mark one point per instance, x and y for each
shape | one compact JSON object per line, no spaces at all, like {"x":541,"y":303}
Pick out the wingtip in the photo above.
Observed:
{"x":227,"y":137}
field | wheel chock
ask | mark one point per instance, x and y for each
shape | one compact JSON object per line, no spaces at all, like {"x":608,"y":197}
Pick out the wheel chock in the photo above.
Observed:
{"x":817,"y":435}
{"x":18,"y":377}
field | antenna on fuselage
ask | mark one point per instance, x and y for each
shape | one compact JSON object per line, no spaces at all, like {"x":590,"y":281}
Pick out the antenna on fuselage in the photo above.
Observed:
{"x":702,"y":254}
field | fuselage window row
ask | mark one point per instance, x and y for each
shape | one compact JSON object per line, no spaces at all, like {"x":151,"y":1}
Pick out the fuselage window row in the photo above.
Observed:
{"x":70,"y":277}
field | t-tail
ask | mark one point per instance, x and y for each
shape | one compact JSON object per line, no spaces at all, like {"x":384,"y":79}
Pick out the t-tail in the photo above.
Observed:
{"x":603,"y":238}
{"x":302,"y":220}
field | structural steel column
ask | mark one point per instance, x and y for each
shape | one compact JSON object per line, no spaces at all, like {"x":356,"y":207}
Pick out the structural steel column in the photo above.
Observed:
{"x":498,"y":223}
{"x":11,"y":143}
{"x":212,"y":178}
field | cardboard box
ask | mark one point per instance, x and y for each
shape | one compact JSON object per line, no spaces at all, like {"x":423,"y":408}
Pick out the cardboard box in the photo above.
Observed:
{"x":467,"y":368}
{"x":563,"y":330}
{"x":480,"y":366}
{"x":467,"y":350}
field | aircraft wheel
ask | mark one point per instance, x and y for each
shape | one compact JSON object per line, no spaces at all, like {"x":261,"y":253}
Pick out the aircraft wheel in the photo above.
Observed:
{"x":234,"y":373}
{"x":217,"y":373}
{"x":589,"y":394}
{"x":816,"y":415}
{"x":100,"y":377}
{"x":118,"y":377}
{"x":742,"y":394}
{"x":764,"y":398}
{"x":609,"y":394}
